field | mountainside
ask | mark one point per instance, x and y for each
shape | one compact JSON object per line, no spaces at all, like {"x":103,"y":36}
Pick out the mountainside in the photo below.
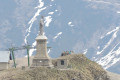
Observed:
{"x":84,"y":26}
{"x":82,"y":69}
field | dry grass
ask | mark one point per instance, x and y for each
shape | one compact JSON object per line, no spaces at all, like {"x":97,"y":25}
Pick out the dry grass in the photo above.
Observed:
{"x":82,"y":69}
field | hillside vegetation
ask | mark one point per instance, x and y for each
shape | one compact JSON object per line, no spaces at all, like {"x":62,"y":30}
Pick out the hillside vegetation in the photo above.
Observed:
{"x":81,"y":69}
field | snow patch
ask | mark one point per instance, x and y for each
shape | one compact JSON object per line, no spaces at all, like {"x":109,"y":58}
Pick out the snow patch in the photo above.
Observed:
{"x":98,"y":47}
{"x":49,"y":51}
{"x":70,"y":24}
{"x":85,"y":51}
{"x":60,"y":33}
{"x":51,"y":13}
{"x":48,"y":19}
{"x":118,"y":12}
{"x":50,"y":5}
{"x":41,"y":4}
{"x":56,"y":10}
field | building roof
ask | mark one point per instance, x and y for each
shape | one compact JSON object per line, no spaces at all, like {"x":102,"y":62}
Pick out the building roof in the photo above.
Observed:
{"x":4,"y":56}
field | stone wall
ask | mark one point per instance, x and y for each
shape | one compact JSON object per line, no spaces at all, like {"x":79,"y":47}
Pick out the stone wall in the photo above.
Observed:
{"x":41,"y":62}
{"x":62,"y":63}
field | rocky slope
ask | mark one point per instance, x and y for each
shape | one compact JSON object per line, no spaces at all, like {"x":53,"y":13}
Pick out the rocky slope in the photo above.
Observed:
{"x":82,"y":69}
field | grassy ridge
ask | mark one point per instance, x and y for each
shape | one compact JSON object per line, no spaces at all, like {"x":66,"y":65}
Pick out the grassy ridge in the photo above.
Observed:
{"x":82,"y":69}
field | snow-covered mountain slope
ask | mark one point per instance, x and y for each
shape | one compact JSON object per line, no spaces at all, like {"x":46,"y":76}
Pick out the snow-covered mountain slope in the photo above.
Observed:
{"x":84,"y":26}
{"x":108,"y":50}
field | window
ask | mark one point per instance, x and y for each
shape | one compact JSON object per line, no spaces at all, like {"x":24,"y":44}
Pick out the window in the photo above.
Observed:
{"x":62,"y":62}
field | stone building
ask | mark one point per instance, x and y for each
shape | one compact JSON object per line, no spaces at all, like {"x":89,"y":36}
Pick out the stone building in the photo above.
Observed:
{"x":4,"y":59}
{"x":62,"y":63}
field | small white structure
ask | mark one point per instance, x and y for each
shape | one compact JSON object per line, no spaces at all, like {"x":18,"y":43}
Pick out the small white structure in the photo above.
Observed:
{"x":4,"y":59}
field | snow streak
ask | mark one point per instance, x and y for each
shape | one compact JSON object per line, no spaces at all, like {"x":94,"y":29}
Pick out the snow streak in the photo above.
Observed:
{"x":48,"y":51}
{"x":111,"y":40}
{"x":112,"y":57}
{"x":85,"y":51}
{"x":70,"y":24}
{"x":118,"y":12}
{"x":48,"y":20}
{"x":60,"y":33}
{"x":51,"y":13}
{"x":34,"y":18}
